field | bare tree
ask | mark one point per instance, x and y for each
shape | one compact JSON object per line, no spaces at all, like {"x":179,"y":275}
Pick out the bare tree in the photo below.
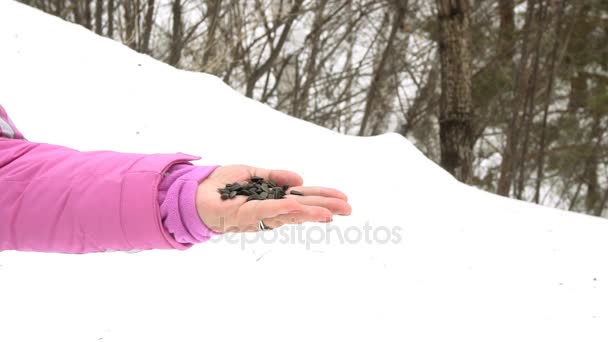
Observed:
{"x":256,"y":71}
{"x":210,"y":54}
{"x":130,"y":12}
{"x":177,"y":33}
{"x":382,"y":89}
{"x":110,"y":32}
{"x":88,"y":18}
{"x":148,"y":22}
{"x":508,"y":164}
{"x":98,"y":16}
{"x":455,"y":106}
{"x":548,"y":97}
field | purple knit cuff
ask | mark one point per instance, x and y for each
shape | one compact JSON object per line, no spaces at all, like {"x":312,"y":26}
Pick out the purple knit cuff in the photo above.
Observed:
{"x":177,"y":200}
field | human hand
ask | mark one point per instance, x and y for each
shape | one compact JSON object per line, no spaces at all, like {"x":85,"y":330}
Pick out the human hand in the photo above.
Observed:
{"x":239,"y":215}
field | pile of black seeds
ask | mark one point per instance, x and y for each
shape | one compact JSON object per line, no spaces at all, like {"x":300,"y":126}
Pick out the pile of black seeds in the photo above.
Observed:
{"x":256,"y":189}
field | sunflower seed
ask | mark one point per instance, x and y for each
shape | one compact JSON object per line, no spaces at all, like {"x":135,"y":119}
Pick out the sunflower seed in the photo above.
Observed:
{"x":256,"y":189}
{"x":234,"y":186}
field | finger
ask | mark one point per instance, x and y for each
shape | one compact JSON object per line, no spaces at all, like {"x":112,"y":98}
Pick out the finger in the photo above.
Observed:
{"x":251,"y":212}
{"x":310,"y":214}
{"x":281,"y":177}
{"x":319,"y":191}
{"x":335,"y":205}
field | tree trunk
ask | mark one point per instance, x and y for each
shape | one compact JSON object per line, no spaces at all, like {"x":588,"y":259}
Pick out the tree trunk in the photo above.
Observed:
{"x":590,"y":173}
{"x":129,"y":16}
{"x":177,"y":34}
{"x":59,"y":7}
{"x":455,"y":104}
{"x":529,"y":102}
{"x":506,"y":35}
{"x":148,"y":22}
{"x":301,"y":95}
{"x":210,"y":60}
{"x":378,"y":97}
{"x":548,"y":97}
{"x":76,"y":12}
{"x":110,"y":32}
{"x":600,"y":208}
{"x":88,"y":18}
{"x":507,"y":166}
{"x":98,"y":16}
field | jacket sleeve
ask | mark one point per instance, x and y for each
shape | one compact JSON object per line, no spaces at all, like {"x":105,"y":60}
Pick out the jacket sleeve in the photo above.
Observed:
{"x":177,"y":202}
{"x":57,"y":199}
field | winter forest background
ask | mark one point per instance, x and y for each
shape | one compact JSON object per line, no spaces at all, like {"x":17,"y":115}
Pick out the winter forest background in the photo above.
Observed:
{"x":510,"y":96}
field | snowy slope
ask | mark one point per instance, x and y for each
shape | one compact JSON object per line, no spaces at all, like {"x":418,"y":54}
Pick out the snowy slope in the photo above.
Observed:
{"x":468,"y":266}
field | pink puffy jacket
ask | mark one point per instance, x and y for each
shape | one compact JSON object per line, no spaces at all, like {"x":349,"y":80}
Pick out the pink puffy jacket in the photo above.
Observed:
{"x":57,"y":199}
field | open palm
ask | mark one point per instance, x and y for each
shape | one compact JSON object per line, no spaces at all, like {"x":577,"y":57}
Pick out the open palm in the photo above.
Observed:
{"x":239,"y":215}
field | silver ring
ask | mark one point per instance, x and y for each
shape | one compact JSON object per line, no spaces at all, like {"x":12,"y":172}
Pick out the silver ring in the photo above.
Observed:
{"x":262,"y":226}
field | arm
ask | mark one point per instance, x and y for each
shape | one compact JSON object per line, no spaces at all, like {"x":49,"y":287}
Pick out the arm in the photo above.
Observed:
{"x":56,"y":199}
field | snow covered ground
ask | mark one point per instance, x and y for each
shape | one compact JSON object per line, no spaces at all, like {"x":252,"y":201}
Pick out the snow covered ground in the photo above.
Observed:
{"x":461,"y":264}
